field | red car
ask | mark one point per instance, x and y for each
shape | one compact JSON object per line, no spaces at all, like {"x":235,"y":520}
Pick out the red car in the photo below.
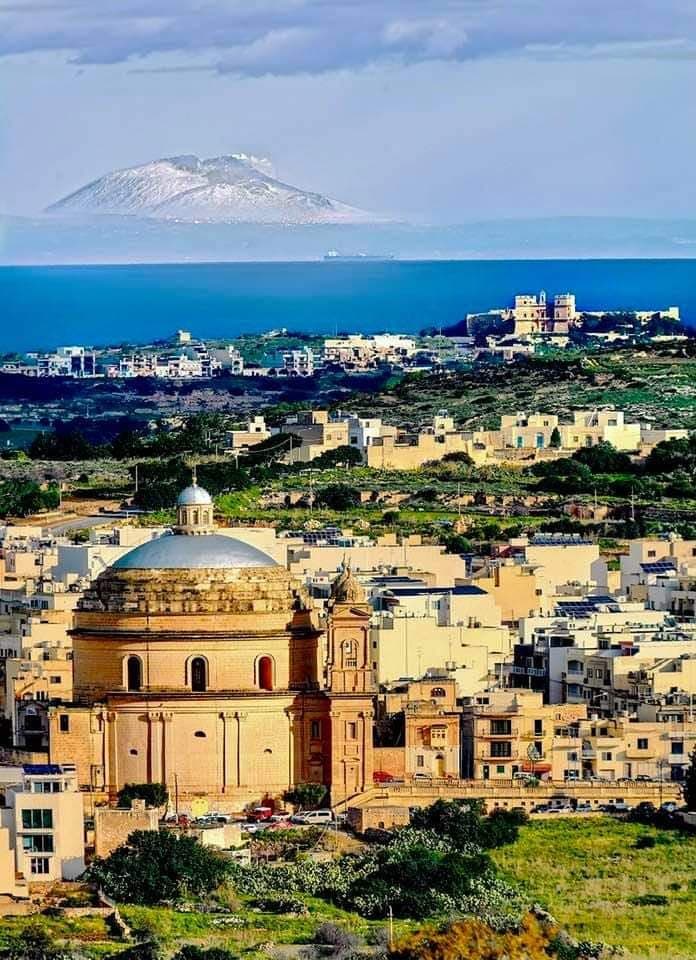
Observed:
{"x":381,"y":776}
{"x":259,"y":814}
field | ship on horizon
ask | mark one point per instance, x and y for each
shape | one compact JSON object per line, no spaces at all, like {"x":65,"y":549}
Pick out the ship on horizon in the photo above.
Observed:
{"x":335,"y":255}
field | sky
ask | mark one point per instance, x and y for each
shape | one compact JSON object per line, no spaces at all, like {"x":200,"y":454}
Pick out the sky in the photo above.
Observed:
{"x":431,"y":110}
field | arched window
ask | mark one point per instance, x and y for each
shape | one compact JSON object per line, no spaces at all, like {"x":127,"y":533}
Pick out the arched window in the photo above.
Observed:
{"x":199,"y":674}
{"x":438,"y":692}
{"x":135,"y":673}
{"x":265,"y":671}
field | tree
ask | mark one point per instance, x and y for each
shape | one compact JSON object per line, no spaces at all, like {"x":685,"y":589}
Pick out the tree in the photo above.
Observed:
{"x":555,"y":439}
{"x":154,"y":794}
{"x":155,"y":865}
{"x":338,"y":496}
{"x":62,"y":444}
{"x":690,"y":784}
{"x":306,"y":795}
{"x":604,"y":458}
{"x":344,"y":456}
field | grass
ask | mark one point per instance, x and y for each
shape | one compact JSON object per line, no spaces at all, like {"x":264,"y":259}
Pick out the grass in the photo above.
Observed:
{"x":172,"y":929}
{"x":591,"y":876}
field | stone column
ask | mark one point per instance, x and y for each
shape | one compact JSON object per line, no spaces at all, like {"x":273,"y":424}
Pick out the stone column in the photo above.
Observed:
{"x":168,"y":758}
{"x":111,"y":781}
{"x":228,"y":738}
{"x":154,"y":747}
{"x":240,"y":716}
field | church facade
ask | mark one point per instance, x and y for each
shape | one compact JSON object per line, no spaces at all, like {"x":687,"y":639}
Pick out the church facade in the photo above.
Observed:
{"x":199,"y":664}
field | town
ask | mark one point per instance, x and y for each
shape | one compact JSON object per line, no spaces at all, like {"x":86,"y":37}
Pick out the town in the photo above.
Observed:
{"x":298,"y":638}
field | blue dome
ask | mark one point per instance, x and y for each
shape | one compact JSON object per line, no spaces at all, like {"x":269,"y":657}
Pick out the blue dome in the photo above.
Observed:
{"x":173,"y":552}
{"x":194,"y":496}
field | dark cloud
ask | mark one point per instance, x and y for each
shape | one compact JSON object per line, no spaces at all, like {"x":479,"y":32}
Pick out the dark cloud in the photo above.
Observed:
{"x":257,"y":37}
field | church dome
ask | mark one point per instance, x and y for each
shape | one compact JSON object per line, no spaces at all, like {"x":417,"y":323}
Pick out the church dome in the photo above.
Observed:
{"x":346,"y":588}
{"x":210,"y":551}
{"x":194,"y":496}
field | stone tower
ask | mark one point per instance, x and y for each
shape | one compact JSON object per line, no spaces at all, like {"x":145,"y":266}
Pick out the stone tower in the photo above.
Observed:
{"x":351,"y":688}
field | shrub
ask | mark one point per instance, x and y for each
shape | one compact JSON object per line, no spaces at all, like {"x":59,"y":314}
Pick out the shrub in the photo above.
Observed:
{"x":158,"y":865}
{"x":192,"y":952}
{"x":154,"y":794}
{"x":306,"y":795}
{"x":332,"y":935}
{"x":650,"y":900}
{"x":645,"y":842}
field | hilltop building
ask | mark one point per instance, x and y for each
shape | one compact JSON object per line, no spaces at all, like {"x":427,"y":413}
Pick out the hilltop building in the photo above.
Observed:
{"x":198,"y":664}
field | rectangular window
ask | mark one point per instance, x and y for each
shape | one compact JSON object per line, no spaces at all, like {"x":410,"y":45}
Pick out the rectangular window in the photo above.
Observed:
{"x":38,"y":843}
{"x":315,"y":730}
{"x":500,"y":768}
{"x":55,"y":679}
{"x":642,"y":743}
{"x":678,"y":746}
{"x":351,"y":730}
{"x":37,"y":819}
{"x":606,"y":755}
{"x":538,"y":728}
{"x":39,"y":865}
{"x":420,"y":760}
{"x":501,"y":728}
{"x":501,"y":748}
{"x":539,"y":747}
{"x":64,"y":723}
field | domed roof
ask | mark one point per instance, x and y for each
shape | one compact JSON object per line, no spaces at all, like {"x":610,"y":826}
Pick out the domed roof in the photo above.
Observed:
{"x":194,"y":496}
{"x":171,"y":552}
{"x":346,"y":588}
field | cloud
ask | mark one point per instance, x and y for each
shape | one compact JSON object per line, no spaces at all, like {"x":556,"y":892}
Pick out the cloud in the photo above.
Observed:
{"x":285,"y":37}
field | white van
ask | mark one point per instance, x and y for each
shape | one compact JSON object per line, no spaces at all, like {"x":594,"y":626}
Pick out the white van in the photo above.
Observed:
{"x":314,"y":817}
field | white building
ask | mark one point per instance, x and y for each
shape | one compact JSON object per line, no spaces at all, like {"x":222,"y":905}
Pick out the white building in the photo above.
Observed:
{"x":42,"y":828}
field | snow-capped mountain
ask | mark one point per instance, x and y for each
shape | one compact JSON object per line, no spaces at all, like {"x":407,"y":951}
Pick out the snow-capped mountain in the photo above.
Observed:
{"x":236,"y":188}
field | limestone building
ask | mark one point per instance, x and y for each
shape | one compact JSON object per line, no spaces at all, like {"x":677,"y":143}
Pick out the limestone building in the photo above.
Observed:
{"x":197,"y":664}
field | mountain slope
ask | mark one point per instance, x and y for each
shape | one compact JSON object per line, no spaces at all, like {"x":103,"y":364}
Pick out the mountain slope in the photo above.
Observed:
{"x":236,"y":188}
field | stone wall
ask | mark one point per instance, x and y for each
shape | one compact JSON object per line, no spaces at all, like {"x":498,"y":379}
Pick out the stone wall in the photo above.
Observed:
{"x":113,"y":826}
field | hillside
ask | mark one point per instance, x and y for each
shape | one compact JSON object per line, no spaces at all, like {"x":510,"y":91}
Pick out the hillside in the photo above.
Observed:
{"x":656,"y":386}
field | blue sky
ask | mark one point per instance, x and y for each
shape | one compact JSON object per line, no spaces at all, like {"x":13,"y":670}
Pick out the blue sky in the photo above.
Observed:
{"x":436,"y":110}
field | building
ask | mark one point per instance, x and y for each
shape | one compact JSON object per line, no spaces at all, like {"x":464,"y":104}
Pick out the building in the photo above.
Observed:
{"x":511,"y":732}
{"x":198,"y":664}
{"x":75,"y":362}
{"x":113,"y":825}
{"x":43,"y":825}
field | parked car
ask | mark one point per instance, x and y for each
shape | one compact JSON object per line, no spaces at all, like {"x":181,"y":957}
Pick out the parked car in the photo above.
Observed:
{"x":643,"y":778}
{"x":381,"y":776}
{"x":281,"y":816}
{"x":422,"y":776}
{"x":541,"y":808}
{"x":670,"y":807}
{"x":314,"y":818}
{"x":260,"y":814}
{"x":583,"y":806}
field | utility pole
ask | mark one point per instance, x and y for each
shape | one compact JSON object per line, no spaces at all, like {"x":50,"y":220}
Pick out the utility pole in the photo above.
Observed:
{"x":136,"y":477}
{"x":391,"y":928}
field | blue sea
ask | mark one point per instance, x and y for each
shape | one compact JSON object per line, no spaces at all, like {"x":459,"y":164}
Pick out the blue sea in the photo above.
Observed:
{"x":44,"y":307}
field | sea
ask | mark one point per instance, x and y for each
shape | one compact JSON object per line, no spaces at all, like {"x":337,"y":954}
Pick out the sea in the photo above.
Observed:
{"x":43,"y":307}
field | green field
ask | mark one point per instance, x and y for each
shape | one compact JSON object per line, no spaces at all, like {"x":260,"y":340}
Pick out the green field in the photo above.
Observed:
{"x":593,"y":879}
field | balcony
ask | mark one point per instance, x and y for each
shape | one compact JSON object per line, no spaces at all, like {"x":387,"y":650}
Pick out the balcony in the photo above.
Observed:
{"x":488,"y":734}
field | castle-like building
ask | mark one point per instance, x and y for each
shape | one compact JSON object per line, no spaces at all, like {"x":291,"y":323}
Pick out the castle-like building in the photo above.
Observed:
{"x":199,"y":664}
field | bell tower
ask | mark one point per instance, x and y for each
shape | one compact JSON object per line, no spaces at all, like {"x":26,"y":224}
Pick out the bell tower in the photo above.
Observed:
{"x":351,"y":688}
{"x":194,"y":510}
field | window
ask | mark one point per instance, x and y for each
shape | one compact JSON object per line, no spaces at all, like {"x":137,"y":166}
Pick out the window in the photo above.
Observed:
{"x":572,"y":757}
{"x":642,"y":743}
{"x":351,"y":730}
{"x":420,"y":760}
{"x":438,"y":734}
{"x":198,"y":675}
{"x":539,"y":747}
{"x":135,"y":673}
{"x":606,"y":755}
{"x":315,"y":729}
{"x":501,"y":748}
{"x":501,"y":728}
{"x":538,"y":728}
{"x":55,"y":679}
{"x":39,"y":865}
{"x":500,"y":768}
{"x":265,"y":669}
{"x":350,"y":654}
{"x":38,"y":843}
{"x":678,"y":746}
{"x":438,"y":692}
{"x":64,"y":723}
{"x":200,"y":733}
{"x":37,"y":819}
{"x":46,"y":786}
